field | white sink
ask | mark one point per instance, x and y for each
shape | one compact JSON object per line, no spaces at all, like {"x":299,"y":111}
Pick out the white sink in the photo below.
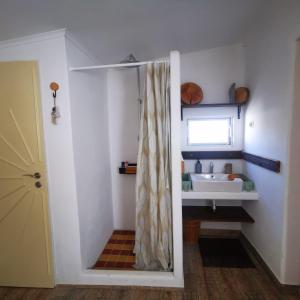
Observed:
{"x":216,"y":183}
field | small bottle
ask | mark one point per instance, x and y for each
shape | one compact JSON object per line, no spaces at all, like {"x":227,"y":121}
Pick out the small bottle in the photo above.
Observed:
{"x":228,"y":168}
{"x":198,"y":167}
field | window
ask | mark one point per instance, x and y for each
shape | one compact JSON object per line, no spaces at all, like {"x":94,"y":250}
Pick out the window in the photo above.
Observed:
{"x":210,"y":131}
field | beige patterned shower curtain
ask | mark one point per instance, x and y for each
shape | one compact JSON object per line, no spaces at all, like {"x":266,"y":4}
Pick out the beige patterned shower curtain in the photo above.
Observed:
{"x":153,"y":240}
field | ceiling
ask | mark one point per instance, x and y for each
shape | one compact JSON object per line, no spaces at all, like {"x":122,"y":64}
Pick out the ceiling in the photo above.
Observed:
{"x":111,"y":29}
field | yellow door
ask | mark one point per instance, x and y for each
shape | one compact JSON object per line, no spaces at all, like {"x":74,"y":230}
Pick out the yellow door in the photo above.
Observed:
{"x":25,"y":240}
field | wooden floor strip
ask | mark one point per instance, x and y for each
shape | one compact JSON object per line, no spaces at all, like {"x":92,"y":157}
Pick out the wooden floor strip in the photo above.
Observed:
{"x":200,"y":283}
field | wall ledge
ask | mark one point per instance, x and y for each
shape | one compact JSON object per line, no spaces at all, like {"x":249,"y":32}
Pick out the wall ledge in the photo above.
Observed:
{"x":266,"y":163}
{"x":35,"y":38}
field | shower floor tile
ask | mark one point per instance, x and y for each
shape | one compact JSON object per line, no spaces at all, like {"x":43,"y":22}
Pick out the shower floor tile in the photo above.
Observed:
{"x":118,"y":252}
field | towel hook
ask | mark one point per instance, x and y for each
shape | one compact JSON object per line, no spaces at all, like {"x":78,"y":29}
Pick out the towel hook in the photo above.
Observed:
{"x":54,"y":86}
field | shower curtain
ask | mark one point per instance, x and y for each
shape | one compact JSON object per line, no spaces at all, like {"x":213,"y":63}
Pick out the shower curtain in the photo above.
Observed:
{"x":153,"y":240}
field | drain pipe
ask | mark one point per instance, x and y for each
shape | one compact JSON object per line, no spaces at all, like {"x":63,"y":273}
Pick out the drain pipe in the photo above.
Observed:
{"x":214,"y":206}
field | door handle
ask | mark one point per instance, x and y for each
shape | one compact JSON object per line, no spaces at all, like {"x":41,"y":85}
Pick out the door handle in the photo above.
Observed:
{"x":36,"y":175}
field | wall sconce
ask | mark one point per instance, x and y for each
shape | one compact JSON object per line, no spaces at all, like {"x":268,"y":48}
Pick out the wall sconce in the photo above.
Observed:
{"x":55,"y":112}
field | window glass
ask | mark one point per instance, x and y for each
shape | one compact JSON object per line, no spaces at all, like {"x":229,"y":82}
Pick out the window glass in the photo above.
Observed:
{"x":210,"y":131}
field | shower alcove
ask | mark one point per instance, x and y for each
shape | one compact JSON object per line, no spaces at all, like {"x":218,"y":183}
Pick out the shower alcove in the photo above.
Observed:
{"x":105,"y":119}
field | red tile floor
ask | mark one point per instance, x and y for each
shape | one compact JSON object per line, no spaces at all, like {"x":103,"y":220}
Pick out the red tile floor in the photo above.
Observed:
{"x":118,"y":252}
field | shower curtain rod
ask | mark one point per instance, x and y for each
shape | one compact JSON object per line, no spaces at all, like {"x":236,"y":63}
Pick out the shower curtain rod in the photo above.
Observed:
{"x":115,"y":65}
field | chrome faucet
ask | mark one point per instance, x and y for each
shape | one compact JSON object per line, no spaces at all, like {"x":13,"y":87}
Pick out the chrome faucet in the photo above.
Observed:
{"x":211,"y":167}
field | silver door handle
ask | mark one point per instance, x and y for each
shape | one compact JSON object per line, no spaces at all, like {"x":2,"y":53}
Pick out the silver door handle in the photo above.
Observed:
{"x":36,"y":175}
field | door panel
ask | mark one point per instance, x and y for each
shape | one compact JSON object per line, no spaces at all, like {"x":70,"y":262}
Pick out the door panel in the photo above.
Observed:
{"x":25,"y":240}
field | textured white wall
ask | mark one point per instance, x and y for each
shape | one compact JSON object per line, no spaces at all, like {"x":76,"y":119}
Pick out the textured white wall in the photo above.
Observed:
{"x":269,"y":73}
{"x":91,"y":154}
{"x":123,"y":113}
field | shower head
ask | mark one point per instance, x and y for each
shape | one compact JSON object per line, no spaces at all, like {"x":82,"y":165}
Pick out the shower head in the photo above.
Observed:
{"x":129,"y":59}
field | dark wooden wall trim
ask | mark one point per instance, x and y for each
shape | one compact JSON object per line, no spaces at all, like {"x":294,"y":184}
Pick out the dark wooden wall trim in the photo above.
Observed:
{"x":212,"y":155}
{"x":269,"y":164}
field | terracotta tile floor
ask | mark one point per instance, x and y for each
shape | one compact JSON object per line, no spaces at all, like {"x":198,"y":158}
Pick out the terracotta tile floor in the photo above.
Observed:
{"x":118,"y":252}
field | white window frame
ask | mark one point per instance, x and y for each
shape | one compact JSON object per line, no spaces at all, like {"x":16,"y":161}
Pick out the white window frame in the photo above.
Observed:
{"x":230,"y":131}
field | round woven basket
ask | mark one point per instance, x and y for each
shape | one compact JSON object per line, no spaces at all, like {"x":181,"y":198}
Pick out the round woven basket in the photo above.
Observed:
{"x":242,"y":95}
{"x":191,"y":93}
{"x":191,"y":229}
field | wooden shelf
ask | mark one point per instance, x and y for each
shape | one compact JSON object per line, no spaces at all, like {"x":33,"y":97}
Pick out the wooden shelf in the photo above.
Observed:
{"x":222,"y":214}
{"x":130,"y":170}
{"x":239,"y":106}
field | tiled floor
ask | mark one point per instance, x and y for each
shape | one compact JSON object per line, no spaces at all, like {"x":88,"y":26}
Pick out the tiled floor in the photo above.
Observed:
{"x":118,"y":252}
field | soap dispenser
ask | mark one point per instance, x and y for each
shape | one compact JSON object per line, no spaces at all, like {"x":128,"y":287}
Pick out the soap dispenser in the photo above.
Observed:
{"x":198,"y":167}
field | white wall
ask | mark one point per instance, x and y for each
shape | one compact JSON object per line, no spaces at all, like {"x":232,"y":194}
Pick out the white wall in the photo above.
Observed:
{"x":49,"y":50}
{"x":123,"y":111}
{"x":88,"y":100}
{"x":269,"y":57}
{"x":214,"y":70}
{"x":176,"y":167}
{"x":292,"y":234}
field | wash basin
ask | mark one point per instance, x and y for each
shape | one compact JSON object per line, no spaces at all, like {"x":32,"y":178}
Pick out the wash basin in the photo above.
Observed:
{"x":216,"y":183}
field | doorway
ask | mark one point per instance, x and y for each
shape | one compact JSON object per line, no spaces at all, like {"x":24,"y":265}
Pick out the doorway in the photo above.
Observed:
{"x":25,"y":236}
